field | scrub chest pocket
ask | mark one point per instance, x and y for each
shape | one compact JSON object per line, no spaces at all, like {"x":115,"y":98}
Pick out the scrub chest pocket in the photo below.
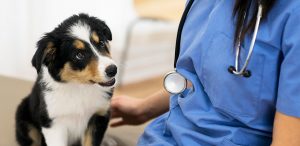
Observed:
{"x":232,"y":95}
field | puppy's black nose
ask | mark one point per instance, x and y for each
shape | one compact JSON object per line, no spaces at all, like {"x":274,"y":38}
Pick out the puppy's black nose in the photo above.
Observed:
{"x":111,"y":70}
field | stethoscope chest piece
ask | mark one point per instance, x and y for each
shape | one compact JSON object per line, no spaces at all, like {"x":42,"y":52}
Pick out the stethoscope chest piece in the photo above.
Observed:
{"x":174,"y":82}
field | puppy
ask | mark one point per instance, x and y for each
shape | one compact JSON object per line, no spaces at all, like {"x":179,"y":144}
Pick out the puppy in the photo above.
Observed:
{"x":69,"y":102}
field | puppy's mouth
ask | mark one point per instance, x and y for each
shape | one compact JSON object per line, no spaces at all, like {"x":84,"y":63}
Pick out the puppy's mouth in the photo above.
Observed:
{"x":108,"y":83}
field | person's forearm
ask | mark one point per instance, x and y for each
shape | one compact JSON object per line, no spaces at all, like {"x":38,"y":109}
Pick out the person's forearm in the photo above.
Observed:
{"x":156,"y":104}
{"x":286,"y":130}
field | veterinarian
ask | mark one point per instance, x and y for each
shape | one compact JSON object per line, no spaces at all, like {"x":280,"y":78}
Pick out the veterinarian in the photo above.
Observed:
{"x":241,"y":61}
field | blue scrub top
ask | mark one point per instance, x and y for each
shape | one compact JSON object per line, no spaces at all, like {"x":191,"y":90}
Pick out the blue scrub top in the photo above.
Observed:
{"x":224,"y":109}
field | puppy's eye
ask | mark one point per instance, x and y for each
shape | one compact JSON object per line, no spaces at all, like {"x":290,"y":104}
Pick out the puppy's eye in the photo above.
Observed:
{"x":79,"y":56}
{"x":101,"y":44}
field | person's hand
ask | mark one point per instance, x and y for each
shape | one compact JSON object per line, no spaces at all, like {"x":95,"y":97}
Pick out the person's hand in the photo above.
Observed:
{"x":131,"y":111}
{"x":135,"y":111}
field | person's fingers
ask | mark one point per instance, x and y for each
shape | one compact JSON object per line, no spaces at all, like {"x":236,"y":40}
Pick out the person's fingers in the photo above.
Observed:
{"x":115,"y":114}
{"x":115,"y":103}
{"x":117,"y":123}
{"x":120,"y":97}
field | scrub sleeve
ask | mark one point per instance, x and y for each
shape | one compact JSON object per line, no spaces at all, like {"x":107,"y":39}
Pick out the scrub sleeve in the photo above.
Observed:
{"x":288,"y":100}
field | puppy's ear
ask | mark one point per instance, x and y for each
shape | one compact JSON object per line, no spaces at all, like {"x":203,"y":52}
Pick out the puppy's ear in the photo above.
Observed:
{"x":45,"y":53}
{"x":107,"y":33}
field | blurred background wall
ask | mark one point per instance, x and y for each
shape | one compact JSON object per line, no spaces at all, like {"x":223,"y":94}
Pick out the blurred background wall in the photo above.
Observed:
{"x":151,"y":48}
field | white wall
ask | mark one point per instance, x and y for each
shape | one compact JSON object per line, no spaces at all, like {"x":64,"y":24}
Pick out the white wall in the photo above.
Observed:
{"x":151,"y":52}
{"x":24,"y":21}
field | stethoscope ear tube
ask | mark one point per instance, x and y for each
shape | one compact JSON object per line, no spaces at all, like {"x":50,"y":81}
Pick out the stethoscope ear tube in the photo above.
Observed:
{"x":244,"y":72}
{"x":179,"y":31}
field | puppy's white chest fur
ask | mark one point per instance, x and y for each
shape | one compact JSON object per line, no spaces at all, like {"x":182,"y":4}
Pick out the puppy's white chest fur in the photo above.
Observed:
{"x":75,"y":100}
{"x":71,"y":105}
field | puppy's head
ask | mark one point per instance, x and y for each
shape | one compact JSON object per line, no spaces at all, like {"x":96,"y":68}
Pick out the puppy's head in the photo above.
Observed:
{"x":77,"y":51}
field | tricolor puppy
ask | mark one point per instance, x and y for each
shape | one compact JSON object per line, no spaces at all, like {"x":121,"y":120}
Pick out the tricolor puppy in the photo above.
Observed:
{"x":69,"y":103}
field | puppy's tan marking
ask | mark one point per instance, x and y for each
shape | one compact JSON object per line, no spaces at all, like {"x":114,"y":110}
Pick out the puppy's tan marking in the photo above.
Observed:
{"x":49,"y":52}
{"x":107,"y":45}
{"x":89,"y":73}
{"x":35,"y":136}
{"x":49,"y":49}
{"x":87,"y":140}
{"x":107,"y":54}
{"x":95,"y":37}
{"x":101,"y":112}
{"x":50,"y":45}
{"x":78,"y":44}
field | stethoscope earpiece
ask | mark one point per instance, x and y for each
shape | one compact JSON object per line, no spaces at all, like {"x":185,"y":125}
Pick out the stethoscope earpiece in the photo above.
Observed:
{"x":246,"y":73}
{"x":231,"y":69}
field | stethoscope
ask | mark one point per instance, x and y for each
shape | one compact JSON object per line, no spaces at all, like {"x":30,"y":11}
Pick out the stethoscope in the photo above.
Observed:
{"x":175,"y":83}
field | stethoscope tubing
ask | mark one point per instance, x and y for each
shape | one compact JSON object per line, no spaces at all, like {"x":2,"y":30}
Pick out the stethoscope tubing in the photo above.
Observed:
{"x":241,"y":72}
{"x":179,"y":31}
